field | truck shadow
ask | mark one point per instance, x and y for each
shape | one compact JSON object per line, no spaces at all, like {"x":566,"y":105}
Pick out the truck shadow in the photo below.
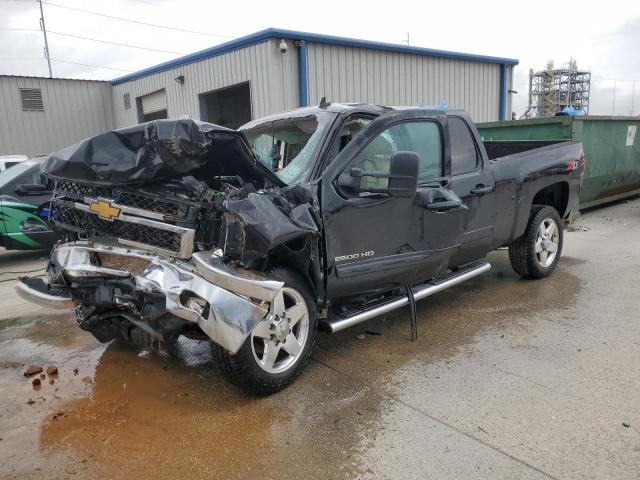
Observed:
{"x":450,"y":321}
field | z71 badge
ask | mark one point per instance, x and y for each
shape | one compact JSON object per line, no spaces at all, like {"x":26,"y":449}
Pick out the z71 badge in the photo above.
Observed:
{"x":355,"y":256}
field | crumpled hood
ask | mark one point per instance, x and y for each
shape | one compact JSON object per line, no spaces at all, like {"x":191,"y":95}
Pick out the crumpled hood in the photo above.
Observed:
{"x":160,"y":150}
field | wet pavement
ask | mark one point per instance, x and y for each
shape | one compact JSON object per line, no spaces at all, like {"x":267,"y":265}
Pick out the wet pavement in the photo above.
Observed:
{"x":508,"y":379}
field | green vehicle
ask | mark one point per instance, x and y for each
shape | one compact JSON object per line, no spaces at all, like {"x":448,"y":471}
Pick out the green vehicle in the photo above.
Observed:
{"x":24,"y":204}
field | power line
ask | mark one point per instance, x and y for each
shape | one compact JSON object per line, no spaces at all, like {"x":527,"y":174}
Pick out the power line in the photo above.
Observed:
{"x":598,"y":77}
{"x":89,"y":12}
{"x":115,"y":43}
{"x":89,"y":65}
{"x":67,"y":61}
{"x":149,"y":3}
{"x":92,"y":40}
{"x":21,"y":58}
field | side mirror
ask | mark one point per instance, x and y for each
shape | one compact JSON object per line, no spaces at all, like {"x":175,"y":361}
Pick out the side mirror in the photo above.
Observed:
{"x":31,"y":189}
{"x":402,"y":175}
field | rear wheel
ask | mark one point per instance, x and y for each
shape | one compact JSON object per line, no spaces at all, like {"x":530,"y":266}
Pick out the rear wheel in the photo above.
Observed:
{"x":279,"y":347}
{"x":536,"y":253}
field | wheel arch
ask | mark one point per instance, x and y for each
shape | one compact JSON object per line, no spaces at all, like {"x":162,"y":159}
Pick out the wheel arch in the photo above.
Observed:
{"x":301,"y":257}
{"x":555,"y":195}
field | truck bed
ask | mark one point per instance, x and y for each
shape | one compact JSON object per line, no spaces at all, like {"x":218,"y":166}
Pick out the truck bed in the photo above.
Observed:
{"x":502,"y":148}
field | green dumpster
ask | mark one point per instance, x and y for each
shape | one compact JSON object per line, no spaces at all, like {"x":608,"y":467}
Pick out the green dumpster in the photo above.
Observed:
{"x":611,"y":149}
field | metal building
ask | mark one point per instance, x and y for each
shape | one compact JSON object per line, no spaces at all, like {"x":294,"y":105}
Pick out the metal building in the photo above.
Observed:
{"x":275,"y":70}
{"x":267,"y":72}
{"x":41,"y":115}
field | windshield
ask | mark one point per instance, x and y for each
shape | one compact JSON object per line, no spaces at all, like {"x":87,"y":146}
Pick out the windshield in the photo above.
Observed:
{"x":288,"y":146}
{"x":15,"y":171}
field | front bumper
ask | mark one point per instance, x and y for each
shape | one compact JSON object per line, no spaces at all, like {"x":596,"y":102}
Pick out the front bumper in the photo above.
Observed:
{"x":229,"y":302}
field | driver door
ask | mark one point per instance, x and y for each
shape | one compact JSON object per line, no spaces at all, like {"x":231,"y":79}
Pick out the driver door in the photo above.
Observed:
{"x":375,"y":241}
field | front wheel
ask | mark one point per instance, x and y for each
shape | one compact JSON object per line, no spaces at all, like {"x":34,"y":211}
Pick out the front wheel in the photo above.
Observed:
{"x":536,"y":253}
{"x":279,"y":347}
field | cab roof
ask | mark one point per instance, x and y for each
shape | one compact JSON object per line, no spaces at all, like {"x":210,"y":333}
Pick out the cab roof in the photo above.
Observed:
{"x":339,"y":108}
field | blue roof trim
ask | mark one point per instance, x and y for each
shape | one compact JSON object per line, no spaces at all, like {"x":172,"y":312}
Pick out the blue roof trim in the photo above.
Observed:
{"x":264,"y":35}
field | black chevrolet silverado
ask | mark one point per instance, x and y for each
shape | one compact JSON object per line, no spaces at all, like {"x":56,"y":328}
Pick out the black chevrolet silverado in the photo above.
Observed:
{"x":316,"y":219}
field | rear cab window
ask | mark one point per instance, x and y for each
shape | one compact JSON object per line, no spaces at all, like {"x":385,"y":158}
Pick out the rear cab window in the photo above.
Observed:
{"x":464,"y":153}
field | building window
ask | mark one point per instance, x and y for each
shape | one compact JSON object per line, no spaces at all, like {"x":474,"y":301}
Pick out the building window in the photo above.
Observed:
{"x":31,"y":99}
{"x":126,"y":99}
{"x":153,"y":106}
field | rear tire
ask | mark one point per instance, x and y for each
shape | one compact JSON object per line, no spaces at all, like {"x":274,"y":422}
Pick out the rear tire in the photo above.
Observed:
{"x":537,"y":252}
{"x":278,"y":349}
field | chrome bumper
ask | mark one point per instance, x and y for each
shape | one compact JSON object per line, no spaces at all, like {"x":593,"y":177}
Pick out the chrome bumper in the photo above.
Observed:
{"x":237,"y":300}
{"x":43,"y":299}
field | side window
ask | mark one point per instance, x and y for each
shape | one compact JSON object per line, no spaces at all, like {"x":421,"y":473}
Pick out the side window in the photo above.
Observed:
{"x":464,"y":155}
{"x":422,"y":137}
{"x":349,"y":129}
{"x":40,"y":179}
{"x":35,"y":178}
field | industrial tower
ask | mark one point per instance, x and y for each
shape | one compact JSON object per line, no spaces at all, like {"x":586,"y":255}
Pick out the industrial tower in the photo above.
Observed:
{"x":553,"y":89}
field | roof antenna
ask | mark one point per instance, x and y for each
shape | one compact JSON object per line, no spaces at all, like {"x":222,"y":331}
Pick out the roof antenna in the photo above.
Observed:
{"x":324,"y":103}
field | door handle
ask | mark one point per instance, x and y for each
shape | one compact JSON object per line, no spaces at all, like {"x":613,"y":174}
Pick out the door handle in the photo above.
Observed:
{"x":481,"y":190}
{"x":445,"y":206}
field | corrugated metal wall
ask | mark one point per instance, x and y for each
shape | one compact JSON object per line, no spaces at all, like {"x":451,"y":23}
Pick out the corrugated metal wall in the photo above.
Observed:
{"x":272,"y":77}
{"x":73,"y":110}
{"x":346,"y":74}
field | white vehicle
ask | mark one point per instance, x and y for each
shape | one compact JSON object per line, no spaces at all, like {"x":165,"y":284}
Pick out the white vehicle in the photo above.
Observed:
{"x":7,"y":161}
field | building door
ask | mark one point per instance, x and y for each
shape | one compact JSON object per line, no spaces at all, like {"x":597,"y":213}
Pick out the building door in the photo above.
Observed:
{"x":153,"y":106}
{"x":228,"y":107}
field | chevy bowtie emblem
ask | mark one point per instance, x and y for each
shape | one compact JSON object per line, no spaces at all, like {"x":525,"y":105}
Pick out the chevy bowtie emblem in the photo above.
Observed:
{"x":104,"y":210}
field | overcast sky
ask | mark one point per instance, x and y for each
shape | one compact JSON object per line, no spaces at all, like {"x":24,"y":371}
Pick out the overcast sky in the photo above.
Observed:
{"x":604,"y":36}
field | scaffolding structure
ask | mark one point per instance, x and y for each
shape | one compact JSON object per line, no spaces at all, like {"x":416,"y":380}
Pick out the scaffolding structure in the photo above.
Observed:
{"x":553,"y":89}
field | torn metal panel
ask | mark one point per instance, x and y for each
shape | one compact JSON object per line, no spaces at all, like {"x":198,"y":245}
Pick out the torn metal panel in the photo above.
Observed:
{"x":261,"y":222}
{"x":160,"y":150}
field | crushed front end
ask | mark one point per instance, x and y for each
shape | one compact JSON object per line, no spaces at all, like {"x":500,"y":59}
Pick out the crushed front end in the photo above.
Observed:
{"x":170,"y":226}
{"x":147,"y":299}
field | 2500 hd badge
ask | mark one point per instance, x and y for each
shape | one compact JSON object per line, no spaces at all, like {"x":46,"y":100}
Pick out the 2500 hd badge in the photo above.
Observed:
{"x":355,"y":256}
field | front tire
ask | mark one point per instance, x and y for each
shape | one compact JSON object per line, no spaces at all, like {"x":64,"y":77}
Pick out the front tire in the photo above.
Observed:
{"x":279,"y":347}
{"x":536,"y":253}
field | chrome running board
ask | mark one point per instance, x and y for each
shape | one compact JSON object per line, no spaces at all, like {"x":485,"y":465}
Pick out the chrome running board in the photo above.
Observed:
{"x":423,"y":290}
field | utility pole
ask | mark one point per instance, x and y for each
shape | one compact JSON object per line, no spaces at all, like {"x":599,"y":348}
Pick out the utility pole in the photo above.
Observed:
{"x":614,"y":98}
{"x":46,"y":42}
{"x":633,"y":96}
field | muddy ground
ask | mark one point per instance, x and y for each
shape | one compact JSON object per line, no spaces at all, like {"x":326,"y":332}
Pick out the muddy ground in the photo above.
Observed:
{"x":508,"y":379}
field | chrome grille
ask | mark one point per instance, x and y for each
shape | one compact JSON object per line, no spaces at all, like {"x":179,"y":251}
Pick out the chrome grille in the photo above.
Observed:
{"x":81,"y":221}
{"x":123,"y":196}
{"x":144,"y":220}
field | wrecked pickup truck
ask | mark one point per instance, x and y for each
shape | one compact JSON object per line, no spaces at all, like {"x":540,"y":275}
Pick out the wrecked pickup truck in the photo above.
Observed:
{"x":316,"y":219}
